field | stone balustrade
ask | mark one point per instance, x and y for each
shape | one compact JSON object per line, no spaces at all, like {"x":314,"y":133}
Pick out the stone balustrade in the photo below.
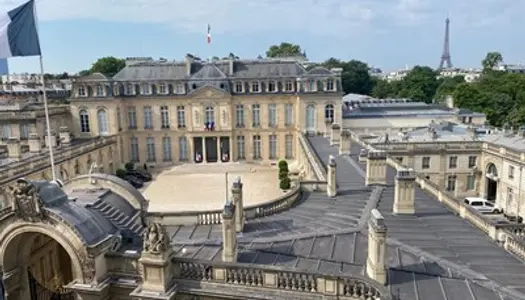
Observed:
{"x":253,"y":277}
{"x":313,"y":160}
{"x":39,"y":162}
{"x":215,"y":216}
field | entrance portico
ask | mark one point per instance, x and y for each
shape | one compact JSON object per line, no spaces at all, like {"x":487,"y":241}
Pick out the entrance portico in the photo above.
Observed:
{"x":212,"y":149}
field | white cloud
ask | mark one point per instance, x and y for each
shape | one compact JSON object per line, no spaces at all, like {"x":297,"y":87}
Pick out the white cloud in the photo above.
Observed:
{"x":322,"y":17}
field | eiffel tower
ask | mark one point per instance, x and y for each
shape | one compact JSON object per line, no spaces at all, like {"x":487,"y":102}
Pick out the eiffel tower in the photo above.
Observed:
{"x":445,"y":56}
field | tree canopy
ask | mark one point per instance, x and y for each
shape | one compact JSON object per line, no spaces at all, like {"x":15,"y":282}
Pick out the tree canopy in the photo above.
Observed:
{"x":108,"y":65}
{"x":284,"y":49}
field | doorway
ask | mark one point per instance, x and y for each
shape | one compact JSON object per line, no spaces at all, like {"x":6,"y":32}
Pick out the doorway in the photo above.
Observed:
{"x":225,"y":148}
{"x":197,"y":150}
{"x":491,"y":189}
{"x":211,"y":149}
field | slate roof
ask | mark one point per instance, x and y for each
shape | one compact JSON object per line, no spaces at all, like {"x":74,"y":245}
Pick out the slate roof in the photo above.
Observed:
{"x":433,"y":255}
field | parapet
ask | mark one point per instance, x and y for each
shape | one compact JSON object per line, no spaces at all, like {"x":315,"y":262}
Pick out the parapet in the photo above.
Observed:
{"x":378,"y":155}
{"x":34,"y":136}
{"x":406,"y":174}
{"x":336,"y":126}
{"x":376,"y":220}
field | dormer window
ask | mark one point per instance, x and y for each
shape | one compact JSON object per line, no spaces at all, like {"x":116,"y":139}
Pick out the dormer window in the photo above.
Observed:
{"x":255,"y":87}
{"x":82,"y":91}
{"x":100,"y":90}
{"x":239,"y":87}
{"x":179,"y":89}
{"x":145,"y":89}
{"x":288,"y":86}
{"x":129,"y":89}
{"x":163,"y":89}
{"x":330,"y":86}
{"x":311,"y":86}
{"x":272,"y":87}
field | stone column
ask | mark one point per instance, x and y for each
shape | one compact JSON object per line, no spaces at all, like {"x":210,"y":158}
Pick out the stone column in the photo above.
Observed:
{"x":376,"y":168}
{"x":346,"y":143}
{"x":35,"y":145}
{"x":238,"y":202}
{"x":204,"y":149}
{"x":64,"y":135}
{"x":335,"y":134}
{"x":13,"y":148}
{"x":229,"y":235}
{"x":156,"y":265}
{"x":375,"y":262}
{"x":404,"y":192}
{"x":363,"y":154}
{"x":331,"y":189}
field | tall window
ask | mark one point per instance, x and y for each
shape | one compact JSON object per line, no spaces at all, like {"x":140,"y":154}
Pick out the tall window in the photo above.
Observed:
{"x":288,"y":86}
{"x":273,"y":146}
{"x":163,"y":90}
{"x":239,"y":116}
{"x":166,"y":148}
{"x":134,"y":147}
{"x":310,"y":117}
{"x":288,"y":114}
{"x":451,"y":183}
{"x":132,"y":117}
{"x":6,"y":131}
{"x":84,"y":121}
{"x":24,"y":131}
{"x":453,"y":162}
{"x":179,"y":89}
{"x":148,"y":117}
{"x":471,"y":182}
{"x":272,"y":115}
{"x":472,"y":161}
{"x":82,"y":91}
{"x":272,"y":87}
{"x":119,"y":124}
{"x":181,"y":117}
{"x":241,"y":149}
{"x":256,"y":115}
{"x":183,"y":148}
{"x":150,"y":149}
{"x":329,"y":112}
{"x":165,"y":117}
{"x":209,"y":115}
{"x":311,"y":86}
{"x":257,"y":147}
{"x":330,"y":86}
{"x":102,"y":122}
{"x":238,"y":87}
{"x":288,"y":147}
{"x":130,"y":89}
{"x":425,"y":162}
{"x":100,"y":90}
{"x":145,"y":89}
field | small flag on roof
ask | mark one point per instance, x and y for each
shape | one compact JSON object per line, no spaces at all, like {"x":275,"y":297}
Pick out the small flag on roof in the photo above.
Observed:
{"x":209,"y":34}
{"x":18,"y":33}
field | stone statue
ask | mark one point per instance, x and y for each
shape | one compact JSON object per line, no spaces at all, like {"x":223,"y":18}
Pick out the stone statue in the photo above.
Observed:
{"x":197,"y":120}
{"x":26,"y":201}
{"x":155,"y":239}
{"x":224,"y":117}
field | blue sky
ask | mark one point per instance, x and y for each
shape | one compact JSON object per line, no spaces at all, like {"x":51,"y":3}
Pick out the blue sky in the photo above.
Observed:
{"x":388,"y":34}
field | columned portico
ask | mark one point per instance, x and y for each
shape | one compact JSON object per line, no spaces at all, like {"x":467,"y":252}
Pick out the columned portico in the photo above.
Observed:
{"x":212,"y":149}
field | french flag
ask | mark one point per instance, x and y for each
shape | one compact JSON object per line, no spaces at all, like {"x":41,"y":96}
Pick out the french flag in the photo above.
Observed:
{"x":209,"y":34}
{"x":18,"y":32}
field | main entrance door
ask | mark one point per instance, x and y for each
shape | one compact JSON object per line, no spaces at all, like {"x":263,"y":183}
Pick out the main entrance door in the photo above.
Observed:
{"x":212,"y":154}
{"x":39,"y":292}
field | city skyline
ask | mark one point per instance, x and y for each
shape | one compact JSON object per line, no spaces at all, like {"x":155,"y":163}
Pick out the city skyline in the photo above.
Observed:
{"x":387,"y":36}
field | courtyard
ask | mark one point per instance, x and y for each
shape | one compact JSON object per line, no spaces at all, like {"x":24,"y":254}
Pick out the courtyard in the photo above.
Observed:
{"x":202,"y":187}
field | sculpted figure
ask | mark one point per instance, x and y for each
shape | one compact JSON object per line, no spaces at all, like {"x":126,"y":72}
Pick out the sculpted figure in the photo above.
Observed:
{"x":26,"y":200}
{"x":155,"y":239}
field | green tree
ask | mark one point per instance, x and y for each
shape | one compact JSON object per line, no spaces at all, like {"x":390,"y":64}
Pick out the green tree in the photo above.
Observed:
{"x":108,"y":65}
{"x":420,"y":84}
{"x":466,"y":96}
{"x":355,"y":76}
{"x":448,"y":86}
{"x":284,"y":49}
{"x":383,"y":89}
{"x":491,"y":60}
{"x":84,"y":72}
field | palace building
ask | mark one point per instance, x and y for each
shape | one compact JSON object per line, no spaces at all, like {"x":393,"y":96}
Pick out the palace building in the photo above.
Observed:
{"x":241,"y":110}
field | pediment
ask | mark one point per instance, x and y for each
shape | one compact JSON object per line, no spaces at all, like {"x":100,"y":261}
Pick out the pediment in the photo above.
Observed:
{"x":209,"y":91}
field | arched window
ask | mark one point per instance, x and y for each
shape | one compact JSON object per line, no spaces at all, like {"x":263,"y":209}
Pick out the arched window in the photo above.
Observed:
{"x":491,"y":170}
{"x":102,"y":122}
{"x":310,"y":117}
{"x":100,"y":90}
{"x":210,"y":115}
{"x":329,"y":112}
{"x":84,"y":121}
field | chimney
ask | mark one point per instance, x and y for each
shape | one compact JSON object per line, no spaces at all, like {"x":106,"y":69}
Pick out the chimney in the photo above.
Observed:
{"x":239,"y":205}
{"x":231,"y":63}
{"x":376,"y":260}
{"x":64,"y":135}
{"x":35,"y":145}
{"x":189,"y":61}
{"x":51,"y":139}
{"x":13,"y":148}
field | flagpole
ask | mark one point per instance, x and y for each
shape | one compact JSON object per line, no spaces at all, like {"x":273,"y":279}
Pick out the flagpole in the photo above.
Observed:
{"x":46,"y":112}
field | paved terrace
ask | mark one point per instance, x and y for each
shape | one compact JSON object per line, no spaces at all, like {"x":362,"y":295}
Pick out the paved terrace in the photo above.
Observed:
{"x":433,"y":255}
